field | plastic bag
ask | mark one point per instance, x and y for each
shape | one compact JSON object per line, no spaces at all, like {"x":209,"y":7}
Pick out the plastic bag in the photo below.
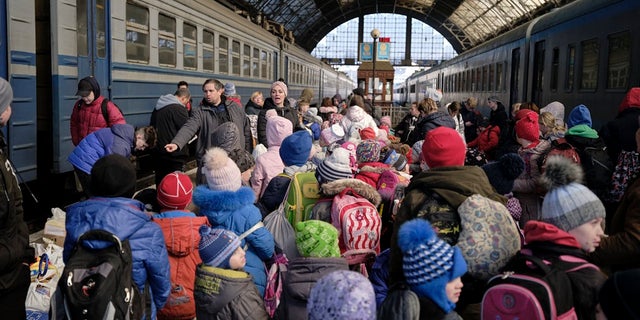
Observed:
{"x":45,"y":273}
{"x":283,"y":233}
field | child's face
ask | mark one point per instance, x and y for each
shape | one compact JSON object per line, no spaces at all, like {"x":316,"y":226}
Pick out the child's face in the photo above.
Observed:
{"x":237,"y":260}
{"x":453,"y":289}
{"x":588,"y":234}
{"x":303,"y":108}
{"x":141,"y":143}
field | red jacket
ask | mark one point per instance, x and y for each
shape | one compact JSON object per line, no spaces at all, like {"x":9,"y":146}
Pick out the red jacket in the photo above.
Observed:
{"x":487,"y":139}
{"x":86,"y":119}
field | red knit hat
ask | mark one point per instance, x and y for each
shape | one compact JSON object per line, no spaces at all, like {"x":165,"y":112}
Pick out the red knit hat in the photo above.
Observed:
{"x":367,"y":133}
{"x":527,"y":127}
{"x":443,"y":147}
{"x":175,"y":191}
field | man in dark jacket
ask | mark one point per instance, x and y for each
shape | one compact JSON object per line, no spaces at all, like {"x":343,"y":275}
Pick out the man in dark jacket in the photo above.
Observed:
{"x":213,"y":111}
{"x":15,"y":253}
{"x":169,"y":115}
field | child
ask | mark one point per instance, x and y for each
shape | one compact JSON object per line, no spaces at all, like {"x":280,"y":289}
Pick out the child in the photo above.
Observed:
{"x":342,"y":295}
{"x":269,"y":164}
{"x":227,"y":204}
{"x":432,"y":269}
{"x":222,"y":289}
{"x":368,"y":157}
{"x":180,"y":228}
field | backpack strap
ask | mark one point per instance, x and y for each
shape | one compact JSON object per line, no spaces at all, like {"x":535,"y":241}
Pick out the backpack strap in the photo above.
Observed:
{"x":251,"y":230}
{"x":105,"y":113}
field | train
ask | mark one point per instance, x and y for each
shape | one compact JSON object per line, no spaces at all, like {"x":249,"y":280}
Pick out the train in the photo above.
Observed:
{"x":137,"y":50}
{"x":581,"y":53}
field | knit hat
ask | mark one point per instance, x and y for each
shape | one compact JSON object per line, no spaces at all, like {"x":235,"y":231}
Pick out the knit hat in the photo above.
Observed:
{"x":6,"y":95}
{"x":355,"y":113}
{"x":428,"y":262}
{"x":226,"y":136}
{"x":443,"y":147}
{"x":282,"y":86}
{"x":367,"y":134}
{"x":243,"y":159}
{"x":221,"y":172}
{"x":113,"y":176}
{"x":316,"y":238}
{"x":557,"y":110}
{"x":217,"y":246}
{"x":342,"y":295}
{"x":502,"y":173}
{"x":87,"y":85}
{"x":568,"y":203}
{"x":620,"y":294}
{"x":331,"y":134}
{"x":386,"y":120}
{"x":175,"y":191}
{"x":229,"y":89}
{"x":295,"y":148}
{"x":368,"y":151}
{"x":579,"y":115}
{"x":527,"y":127}
{"x":335,"y":166}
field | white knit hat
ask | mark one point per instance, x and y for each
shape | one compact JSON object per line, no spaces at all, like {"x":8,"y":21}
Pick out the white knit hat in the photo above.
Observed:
{"x":221,"y":172}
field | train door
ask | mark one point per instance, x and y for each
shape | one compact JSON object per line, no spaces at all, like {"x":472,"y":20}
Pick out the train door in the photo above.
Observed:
{"x":515,"y":78}
{"x":3,"y":39}
{"x":538,"y":73}
{"x":93,"y":41}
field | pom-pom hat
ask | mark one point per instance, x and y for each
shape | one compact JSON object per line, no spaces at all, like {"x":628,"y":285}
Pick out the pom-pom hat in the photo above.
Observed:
{"x":568,"y":203}
{"x":428,"y":262}
{"x":217,"y":246}
{"x":221,"y":172}
{"x":175,"y":191}
{"x":504,"y":172}
{"x":342,"y":295}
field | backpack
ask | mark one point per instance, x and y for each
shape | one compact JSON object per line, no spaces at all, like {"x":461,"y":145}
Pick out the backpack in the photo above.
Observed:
{"x":98,"y":283}
{"x":562,"y":148}
{"x":359,"y":227}
{"x":275,"y":282}
{"x":303,"y":194}
{"x":103,"y":107}
{"x":598,"y":170}
{"x":531,"y":289}
{"x":443,"y":217}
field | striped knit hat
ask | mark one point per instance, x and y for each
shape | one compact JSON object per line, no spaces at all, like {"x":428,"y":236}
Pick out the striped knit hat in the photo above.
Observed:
{"x":334,"y":167}
{"x":428,"y":262}
{"x":217,"y":246}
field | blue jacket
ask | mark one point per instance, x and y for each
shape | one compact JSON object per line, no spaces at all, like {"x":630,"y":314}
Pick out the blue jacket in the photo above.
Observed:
{"x":118,"y":139}
{"x":126,"y":219}
{"x":234,"y":210}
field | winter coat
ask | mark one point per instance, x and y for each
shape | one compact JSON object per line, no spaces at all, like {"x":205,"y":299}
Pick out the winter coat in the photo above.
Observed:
{"x":322,"y":209}
{"x":87,"y":118}
{"x":370,"y":172}
{"x":619,"y":133}
{"x":127,"y":220}
{"x":435,"y":120}
{"x":224,"y":294}
{"x":252,"y":109}
{"x":379,"y":276}
{"x":548,"y":242}
{"x":404,"y":128}
{"x":285,"y":112}
{"x":357,"y":119}
{"x":621,"y":249}
{"x":525,"y":187}
{"x":302,"y":274}
{"x":475,"y":117}
{"x":118,"y":139}
{"x":168,"y":116}
{"x":14,"y":234}
{"x":234,"y":210}
{"x":268,"y":164}
{"x":181,"y":237}
{"x":487,"y":140}
{"x":326,"y":111}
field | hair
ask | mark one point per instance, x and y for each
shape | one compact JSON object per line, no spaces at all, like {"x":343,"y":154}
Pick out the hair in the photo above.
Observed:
{"x":549,"y":121}
{"x":454,"y":107}
{"x":304,"y":102}
{"x":472,"y":102}
{"x":183,"y":92}
{"x":514,"y":109}
{"x":183,"y":83}
{"x":357,"y":100}
{"x":150,"y":135}
{"x":429,"y":105}
{"x":255,"y":94}
{"x":327,"y":102}
{"x":216,"y":84}
{"x":530,"y":106}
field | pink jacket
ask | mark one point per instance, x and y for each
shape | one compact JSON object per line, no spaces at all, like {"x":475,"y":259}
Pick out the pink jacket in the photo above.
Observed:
{"x":269,"y":164}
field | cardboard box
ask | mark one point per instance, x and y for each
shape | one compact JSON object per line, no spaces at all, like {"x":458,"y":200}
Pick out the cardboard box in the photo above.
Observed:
{"x":54,"y":232}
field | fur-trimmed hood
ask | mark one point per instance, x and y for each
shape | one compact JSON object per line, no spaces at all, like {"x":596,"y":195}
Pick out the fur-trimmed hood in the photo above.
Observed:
{"x":218,"y":205}
{"x":333,"y":188}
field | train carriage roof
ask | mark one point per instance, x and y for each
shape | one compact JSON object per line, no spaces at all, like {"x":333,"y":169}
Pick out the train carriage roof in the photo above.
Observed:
{"x":464,"y":23}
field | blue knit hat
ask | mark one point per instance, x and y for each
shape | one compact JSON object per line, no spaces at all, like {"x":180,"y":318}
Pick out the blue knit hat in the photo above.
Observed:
{"x":579,"y":115}
{"x":217,"y":246}
{"x":428,"y":262}
{"x":295,"y":148}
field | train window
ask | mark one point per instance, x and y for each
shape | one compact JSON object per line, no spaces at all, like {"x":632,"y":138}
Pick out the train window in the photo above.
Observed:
{"x":246,"y":60}
{"x":207,"y":51}
{"x":223,"y":54}
{"x":478,"y":79}
{"x":189,"y":46}
{"x":101,"y":30}
{"x":82,"y":28}
{"x":137,"y":34}
{"x":500,"y":76}
{"x":492,"y":78}
{"x":463,"y":81}
{"x":235,"y":57}
{"x":264,"y":63}
{"x":619,"y":60}
{"x":255,"y":62}
{"x":589,"y":72}
{"x":412,"y":88}
{"x":555,"y":69}
{"x":166,"y":40}
{"x":571,"y":68}
{"x":483,"y":80}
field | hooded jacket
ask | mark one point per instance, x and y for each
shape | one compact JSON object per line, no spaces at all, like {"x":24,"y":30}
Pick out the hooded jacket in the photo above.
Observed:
{"x":168,"y":116}
{"x":118,"y":139}
{"x":224,"y":294}
{"x":269,"y":164}
{"x":526,"y":187}
{"x":127,"y":220}
{"x":87,"y":118}
{"x":252,"y":109}
{"x":434,"y":120}
{"x":286,"y":112}
{"x":357,"y":119}
{"x":234,"y":210}
{"x":619,"y":133}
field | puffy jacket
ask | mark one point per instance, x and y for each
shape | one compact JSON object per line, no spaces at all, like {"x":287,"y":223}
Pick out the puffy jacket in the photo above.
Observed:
{"x":269,"y":164}
{"x":127,"y":220}
{"x":234,"y":210}
{"x":285,"y":112}
{"x":168,"y":117}
{"x":181,"y":236}
{"x":118,"y":139}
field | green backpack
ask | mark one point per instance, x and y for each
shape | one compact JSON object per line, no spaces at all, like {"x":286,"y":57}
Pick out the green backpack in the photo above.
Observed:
{"x":303,"y":194}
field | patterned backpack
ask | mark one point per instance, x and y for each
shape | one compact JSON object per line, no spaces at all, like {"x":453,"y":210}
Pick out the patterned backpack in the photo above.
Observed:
{"x":275,"y":282}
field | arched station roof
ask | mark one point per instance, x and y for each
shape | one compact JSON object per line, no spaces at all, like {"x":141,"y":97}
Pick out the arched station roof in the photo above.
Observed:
{"x":464,"y":23}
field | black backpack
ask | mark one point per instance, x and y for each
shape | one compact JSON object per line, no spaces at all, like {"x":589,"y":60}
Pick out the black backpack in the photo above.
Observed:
{"x":98,"y":283}
{"x":598,"y":170}
{"x":103,"y":107}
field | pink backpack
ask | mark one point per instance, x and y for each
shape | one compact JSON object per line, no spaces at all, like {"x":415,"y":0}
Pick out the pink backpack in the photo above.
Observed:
{"x":359,"y":226}
{"x":275,"y":282}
